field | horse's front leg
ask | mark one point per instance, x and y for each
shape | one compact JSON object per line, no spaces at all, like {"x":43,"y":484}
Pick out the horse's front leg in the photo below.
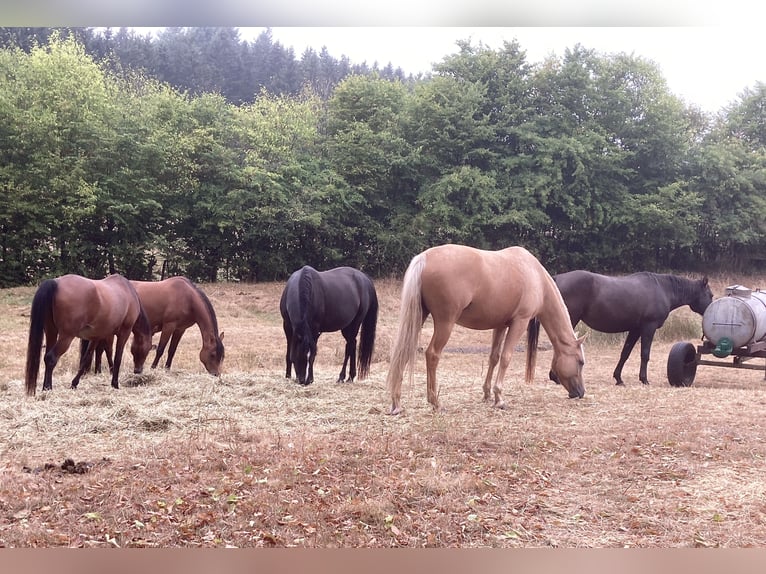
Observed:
{"x":173,"y":347}
{"x":512,"y":337}
{"x":646,"y":348}
{"x":494,"y":357}
{"x":630,"y":342}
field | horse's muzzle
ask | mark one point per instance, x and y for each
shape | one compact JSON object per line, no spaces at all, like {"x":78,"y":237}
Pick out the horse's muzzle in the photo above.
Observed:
{"x":576,"y":393}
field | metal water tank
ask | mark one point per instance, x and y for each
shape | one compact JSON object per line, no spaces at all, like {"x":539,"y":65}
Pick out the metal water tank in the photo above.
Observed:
{"x":737,"y":319}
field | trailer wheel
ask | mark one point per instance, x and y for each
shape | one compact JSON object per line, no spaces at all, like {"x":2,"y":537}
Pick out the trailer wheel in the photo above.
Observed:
{"x":682,"y":364}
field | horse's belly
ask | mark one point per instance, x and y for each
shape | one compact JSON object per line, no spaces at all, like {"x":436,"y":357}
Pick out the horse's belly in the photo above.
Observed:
{"x":89,"y":332}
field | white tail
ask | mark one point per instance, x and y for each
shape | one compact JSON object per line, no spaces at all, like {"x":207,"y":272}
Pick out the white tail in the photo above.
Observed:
{"x":408,"y":334}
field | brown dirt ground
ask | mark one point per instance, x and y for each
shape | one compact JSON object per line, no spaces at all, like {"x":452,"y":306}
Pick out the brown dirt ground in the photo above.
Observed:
{"x":179,"y":459}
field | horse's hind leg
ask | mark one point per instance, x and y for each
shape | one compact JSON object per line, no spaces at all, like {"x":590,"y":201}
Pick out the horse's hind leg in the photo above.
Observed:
{"x":289,"y":336}
{"x":630,"y":342}
{"x":119,"y":348}
{"x":85,"y":361}
{"x":442,"y":332}
{"x":54,"y":349}
{"x":349,"y":356}
{"x":494,"y":357}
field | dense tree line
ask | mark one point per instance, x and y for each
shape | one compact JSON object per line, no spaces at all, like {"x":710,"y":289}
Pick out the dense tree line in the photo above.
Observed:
{"x":210,"y":60}
{"x":587,"y":159}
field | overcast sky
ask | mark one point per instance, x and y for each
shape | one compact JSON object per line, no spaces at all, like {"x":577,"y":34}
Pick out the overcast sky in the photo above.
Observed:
{"x":707,"y":66}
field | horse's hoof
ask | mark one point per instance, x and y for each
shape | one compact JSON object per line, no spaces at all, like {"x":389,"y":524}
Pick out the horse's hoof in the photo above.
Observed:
{"x":644,"y":382}
{"x":396,"y":411}
{"x":500,"y":406}
{"x":619,"y":384}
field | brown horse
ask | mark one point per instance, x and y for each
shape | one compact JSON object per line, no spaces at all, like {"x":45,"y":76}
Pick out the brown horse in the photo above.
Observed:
{"x":506,"y":291}
{"x":172,"y":306}
{"x":74,"y":306}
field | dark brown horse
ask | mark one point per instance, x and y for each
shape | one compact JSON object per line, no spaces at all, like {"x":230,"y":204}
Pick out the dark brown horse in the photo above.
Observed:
{"x":172,"y":306}
{"x":314,"y":302}
{"x":507,"y":291}
{"x":74,"y":306}
{"x":638,"y":303}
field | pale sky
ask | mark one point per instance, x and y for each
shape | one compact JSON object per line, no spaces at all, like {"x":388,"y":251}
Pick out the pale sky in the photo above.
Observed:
{"x":708,"y":66}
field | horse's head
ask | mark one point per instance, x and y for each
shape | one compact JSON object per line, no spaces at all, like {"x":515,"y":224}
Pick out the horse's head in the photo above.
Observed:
{"x":566,"y":369}
{"x":139,"y":348}
{"x":302,"y":352}
{"x":142,"y":339}
{"x":703,"y":298}
{"x":211,"y":355}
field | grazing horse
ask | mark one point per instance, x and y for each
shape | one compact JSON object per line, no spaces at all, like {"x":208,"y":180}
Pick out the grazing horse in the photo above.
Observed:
{"x":507,"y":291}
{"x":637,"y":303}
{"x":172,"y":306}
{"x":73,"y":306}
{"x":314,"y":302}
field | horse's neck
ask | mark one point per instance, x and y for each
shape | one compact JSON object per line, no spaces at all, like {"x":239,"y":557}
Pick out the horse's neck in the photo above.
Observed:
{"x":205,"y":320}
{"x":679,"y":289}
{"x":554,"y":317}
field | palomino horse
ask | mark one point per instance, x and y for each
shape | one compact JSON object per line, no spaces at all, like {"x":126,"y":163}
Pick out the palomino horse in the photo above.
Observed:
{"x":638,"y":304}
{"x":74,"y":306}
{"x":314,"y":302}
{"x":172,"y":306}
{"x":506,"y":291}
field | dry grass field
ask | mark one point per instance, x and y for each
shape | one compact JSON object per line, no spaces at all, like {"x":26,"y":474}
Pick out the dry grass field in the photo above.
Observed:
{"x":180,"y":459}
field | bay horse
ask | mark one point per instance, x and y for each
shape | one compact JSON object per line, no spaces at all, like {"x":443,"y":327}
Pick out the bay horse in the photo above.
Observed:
{"x":172,"y":306}
{"x":638,"y":303}
{"x":315,"y":302}
{"x":74,"y":306}
{"x":507,"y":291}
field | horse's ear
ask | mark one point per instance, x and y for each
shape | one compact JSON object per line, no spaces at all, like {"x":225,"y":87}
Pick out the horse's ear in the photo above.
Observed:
{"x":581,"y":340}
{"x":704,"y":280}
{"x":220,"y":337}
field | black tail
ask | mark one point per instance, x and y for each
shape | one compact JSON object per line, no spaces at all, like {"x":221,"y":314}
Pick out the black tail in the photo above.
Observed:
{"x":42,"y":304}
{"x":367,"y":335}
{"x":533,"y":333}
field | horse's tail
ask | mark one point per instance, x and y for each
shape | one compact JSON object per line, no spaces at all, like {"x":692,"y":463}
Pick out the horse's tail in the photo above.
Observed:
{"x":367,"y":334}
{"x":533,"y":333}
{"x":410,"y":323}
{"x":42,"y":304}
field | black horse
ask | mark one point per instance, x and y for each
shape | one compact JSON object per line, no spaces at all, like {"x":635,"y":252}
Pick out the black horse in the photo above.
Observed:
{"x":638,"y":303}
{"x":314,"y":302}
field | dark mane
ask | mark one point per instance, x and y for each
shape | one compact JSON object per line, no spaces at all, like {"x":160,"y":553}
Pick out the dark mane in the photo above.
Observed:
{"x":682,"y":288}
{"x":211,"y":314}
{"x":305,"y":294}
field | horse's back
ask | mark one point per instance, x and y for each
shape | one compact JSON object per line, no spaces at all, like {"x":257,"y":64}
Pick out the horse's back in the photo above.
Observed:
{"x":94,"y":307}
{"x":482,"y":289}
{"x":169,"y":300}
{"x":612,"y":304}
{"x":333,"y":298}
{"x":347,"y":295}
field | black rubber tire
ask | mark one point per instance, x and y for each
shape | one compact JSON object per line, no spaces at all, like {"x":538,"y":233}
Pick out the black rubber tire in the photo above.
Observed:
{"x":682,"y":364}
